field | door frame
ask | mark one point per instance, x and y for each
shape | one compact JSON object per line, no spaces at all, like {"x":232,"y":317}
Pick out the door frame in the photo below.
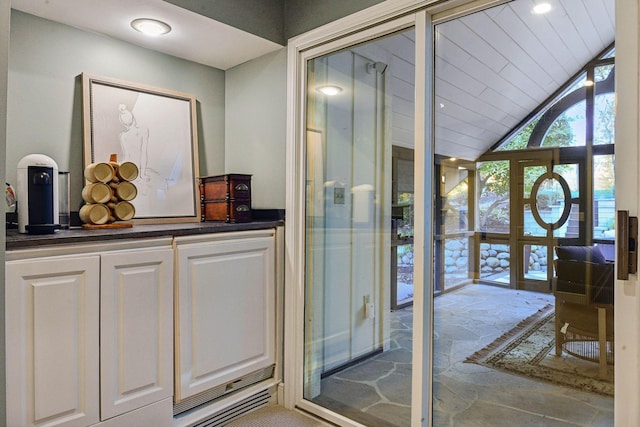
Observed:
{"x":374,"y":22}
{"x":627,"y":293}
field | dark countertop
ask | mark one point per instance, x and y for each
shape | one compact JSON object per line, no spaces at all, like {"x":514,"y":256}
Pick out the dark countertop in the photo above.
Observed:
{"x":16,"y":240}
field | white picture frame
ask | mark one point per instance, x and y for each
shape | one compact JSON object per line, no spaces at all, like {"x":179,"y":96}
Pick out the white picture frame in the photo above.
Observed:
{"x":153,"y":128}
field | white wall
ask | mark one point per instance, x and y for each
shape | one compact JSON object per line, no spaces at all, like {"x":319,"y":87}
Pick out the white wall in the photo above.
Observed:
{"x":44,"y":101}
{"x":255,"y":108}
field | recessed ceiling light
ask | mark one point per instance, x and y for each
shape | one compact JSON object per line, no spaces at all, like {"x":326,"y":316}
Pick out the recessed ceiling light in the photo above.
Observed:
{"x":329,"y":90}
{"x":541,"y":8}
{"x":150,"y":27}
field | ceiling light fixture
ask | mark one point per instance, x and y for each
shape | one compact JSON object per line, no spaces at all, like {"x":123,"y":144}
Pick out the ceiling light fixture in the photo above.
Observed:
{"x":329,"y":90}
{"x":150,"y":27}
{"x":588,"y":82}
{"x":541,"y":8}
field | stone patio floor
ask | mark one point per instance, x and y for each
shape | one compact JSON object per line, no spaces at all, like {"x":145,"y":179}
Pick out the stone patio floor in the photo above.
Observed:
{"x":377,"y":392}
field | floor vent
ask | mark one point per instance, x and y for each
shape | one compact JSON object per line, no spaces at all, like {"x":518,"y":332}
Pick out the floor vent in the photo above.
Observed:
{"x":241,"y":408}
{"x":223,"y":390}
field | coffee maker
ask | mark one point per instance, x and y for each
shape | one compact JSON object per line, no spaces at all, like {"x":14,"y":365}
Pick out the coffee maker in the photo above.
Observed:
{"x":37,"y":195}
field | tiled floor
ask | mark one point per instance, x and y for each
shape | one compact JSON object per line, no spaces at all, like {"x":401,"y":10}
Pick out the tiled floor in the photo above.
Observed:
{"x":377,"y":392}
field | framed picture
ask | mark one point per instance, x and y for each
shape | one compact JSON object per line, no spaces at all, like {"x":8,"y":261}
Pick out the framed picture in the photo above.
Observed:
{"x":153,"y":128}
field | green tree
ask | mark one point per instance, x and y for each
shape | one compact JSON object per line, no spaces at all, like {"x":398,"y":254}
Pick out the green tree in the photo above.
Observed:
{"x":494,"y":176}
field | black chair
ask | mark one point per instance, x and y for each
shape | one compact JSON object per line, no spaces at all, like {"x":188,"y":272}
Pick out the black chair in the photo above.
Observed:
{"x":583,"y":289}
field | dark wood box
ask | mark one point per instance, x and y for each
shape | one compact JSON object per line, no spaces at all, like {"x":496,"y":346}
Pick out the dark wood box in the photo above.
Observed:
{"x":226,"y":198}
{"x":226,"y":210}
{"x":223,"y":187}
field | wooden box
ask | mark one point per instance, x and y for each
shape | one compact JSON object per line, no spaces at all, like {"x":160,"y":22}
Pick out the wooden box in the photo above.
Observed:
{"x":226,"y":210}
{"x":226,"y":198}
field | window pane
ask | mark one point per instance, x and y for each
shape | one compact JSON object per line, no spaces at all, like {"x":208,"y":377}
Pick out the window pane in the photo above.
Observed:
{"x":604,"y":119}
{"x":456,"y":201}
{"x":359,"y":224}
{"x":494,"y":196}
{"x":535,"y":262}
{"x":495,"y":262}
{"x":456,"y":261}
{"x":568,"y":130}
{"x":604,"y":198}
{"x":604,"y":106}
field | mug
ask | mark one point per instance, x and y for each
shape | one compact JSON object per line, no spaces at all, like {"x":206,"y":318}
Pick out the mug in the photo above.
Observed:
{"x":122,"y":211}
{"x":99,"y":172}
{"x":127,"y":171}
{"x":97,"y":192}
{"x":124,"y":190}
{"x":95,"y":213}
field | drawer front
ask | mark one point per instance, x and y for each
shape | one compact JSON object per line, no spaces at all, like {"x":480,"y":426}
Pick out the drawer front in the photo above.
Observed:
{"x":226,"y":210}
{"x":217,"y":190}
{"x":240,"y":189}
{"x":232,"y":186}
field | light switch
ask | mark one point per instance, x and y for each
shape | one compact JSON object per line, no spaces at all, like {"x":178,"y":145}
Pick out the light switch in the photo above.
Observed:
{"x":338,"y":196}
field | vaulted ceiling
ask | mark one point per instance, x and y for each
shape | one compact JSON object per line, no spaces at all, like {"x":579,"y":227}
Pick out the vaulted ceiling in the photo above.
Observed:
{"x":492,"y":67}
{"x":495,"y":67}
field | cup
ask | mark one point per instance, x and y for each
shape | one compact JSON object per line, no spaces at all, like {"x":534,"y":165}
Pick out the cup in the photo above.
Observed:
{"x":95,"y":213}
{"x":127,"y":171}
{"x":97,"y":192}
{"x":64,"y":204}
{"x":123,"y":210}
{"x":124,"y":190}
{"x":99,"y":172}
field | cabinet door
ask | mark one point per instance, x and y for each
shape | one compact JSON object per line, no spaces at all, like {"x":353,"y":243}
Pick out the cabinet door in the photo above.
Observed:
{"x":225,"y":312}
{"x":136,"y":329}
{"x":52,"y":334}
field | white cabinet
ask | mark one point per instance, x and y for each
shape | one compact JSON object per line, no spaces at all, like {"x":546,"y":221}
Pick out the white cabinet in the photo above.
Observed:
{"x":136,"y":329}
{"x":90,"y":337}
{"x":92,"y":330}
{"x":225,"y":310}
{"x":52,"y":341}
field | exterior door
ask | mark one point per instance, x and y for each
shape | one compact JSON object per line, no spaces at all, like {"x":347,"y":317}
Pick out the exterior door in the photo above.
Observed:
{"x":359,"y":98}
{"x":551,"y":210}
{"x":346,"y":260}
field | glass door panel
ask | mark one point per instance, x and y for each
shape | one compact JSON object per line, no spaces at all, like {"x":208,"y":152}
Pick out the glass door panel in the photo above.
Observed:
{"x":359,"y":230}
{"x":604,"y":198}
{"x":550,"y":215}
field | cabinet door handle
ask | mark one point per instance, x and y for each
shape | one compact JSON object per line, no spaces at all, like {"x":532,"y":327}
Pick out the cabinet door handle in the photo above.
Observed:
{"x":242,"y":208}
{"x":242,"y":187}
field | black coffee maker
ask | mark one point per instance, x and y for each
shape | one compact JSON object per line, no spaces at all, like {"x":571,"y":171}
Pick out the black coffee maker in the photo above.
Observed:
{"x":37,"y":195}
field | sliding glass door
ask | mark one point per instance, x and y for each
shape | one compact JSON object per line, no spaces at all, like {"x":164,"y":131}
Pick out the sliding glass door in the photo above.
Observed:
{"x":360,"y":105}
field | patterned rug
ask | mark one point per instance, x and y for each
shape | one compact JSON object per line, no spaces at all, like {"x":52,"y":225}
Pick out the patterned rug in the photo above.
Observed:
{"x":529,"y":350}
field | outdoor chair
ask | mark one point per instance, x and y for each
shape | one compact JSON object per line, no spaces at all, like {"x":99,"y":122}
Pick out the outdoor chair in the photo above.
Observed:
{"x":583,"y":289}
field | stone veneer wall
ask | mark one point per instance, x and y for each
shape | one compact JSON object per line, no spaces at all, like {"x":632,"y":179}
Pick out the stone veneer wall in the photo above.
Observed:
{"x":494,"y":257}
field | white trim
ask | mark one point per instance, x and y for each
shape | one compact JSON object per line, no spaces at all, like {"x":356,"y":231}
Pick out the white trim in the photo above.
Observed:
{"x":334,"y":36}
{"x":453,"y":9}
{"x":627,"y":293}
{"x":387,"y":10}
{"x":422,"y":375}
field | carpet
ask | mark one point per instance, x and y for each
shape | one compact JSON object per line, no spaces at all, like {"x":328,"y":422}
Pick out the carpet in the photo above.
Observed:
{"x":529,"y":350}
{"x":276,"y":416}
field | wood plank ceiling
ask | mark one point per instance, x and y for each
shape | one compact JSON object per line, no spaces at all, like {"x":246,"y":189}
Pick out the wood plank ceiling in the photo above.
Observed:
{"x":494,"y":67}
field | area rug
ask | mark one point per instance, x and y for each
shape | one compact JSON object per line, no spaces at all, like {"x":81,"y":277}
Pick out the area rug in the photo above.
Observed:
{"x":529,"y":350}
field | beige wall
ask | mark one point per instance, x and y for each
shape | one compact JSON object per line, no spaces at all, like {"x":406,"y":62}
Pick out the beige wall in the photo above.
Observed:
{"x":255,"y":121}
{"x":45,"y":94}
